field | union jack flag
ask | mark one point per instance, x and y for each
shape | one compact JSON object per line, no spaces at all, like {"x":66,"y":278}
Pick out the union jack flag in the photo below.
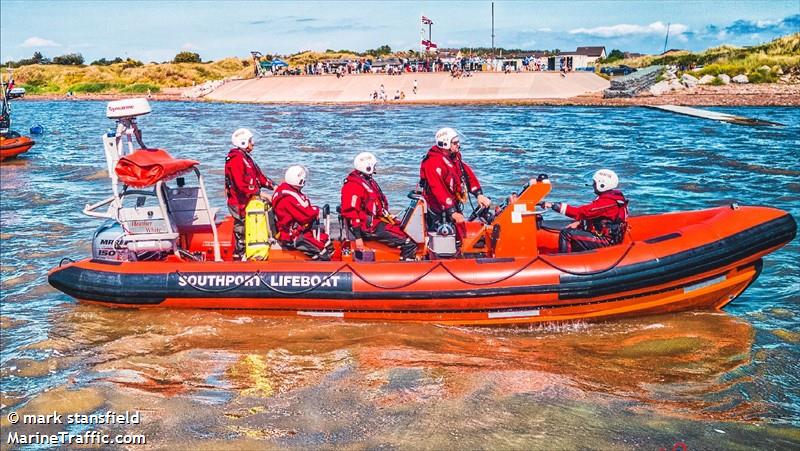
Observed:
{"x":426,"y":21}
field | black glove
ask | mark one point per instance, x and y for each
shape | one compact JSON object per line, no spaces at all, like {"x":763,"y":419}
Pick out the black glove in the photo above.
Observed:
{"x":556,"y":207}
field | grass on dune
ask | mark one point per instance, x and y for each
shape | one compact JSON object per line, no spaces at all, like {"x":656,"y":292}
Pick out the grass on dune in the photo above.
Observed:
{"x":782,"y":53}
{"x":309,"y":57}
{"x":121,"y":77}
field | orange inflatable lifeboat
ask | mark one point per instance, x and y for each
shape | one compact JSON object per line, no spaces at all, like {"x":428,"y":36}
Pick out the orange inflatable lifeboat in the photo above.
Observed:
{"x":13,"y":144}
{"x":164,"y":246}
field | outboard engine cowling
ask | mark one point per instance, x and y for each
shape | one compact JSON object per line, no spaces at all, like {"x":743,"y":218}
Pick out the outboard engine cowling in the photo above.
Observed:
{"x":107,"y":244}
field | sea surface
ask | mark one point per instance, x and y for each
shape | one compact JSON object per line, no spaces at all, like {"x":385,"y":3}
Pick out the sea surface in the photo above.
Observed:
{"x":240,"y":380}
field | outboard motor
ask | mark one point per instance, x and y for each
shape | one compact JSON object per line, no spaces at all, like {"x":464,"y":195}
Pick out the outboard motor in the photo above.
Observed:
{"x":107,"y":244}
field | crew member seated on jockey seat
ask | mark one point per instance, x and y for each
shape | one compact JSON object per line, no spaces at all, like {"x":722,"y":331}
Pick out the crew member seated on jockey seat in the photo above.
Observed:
{"x":295,"y":217}
{"x":601,"y":223}
{"x":367,"y":211}
{"x":243,"y":181}
{"x":446,"y":182}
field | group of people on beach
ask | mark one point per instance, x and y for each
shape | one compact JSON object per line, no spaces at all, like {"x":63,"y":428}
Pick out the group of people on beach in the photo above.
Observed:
{"x":380,"y":95}
{"x":446,"y":182}
{"x":458,"y":72}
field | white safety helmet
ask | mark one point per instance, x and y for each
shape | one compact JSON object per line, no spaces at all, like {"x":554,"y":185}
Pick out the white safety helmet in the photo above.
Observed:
{"x":444,"y":137}
{"x":605,"y":180}
{"x":241,"y":138}
{"x":296,"y":176}
{"x":365,"y":163}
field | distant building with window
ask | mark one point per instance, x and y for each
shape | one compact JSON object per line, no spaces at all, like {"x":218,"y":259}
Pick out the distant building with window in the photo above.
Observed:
{"x":583,"y":58}
{"x":592,"y":54}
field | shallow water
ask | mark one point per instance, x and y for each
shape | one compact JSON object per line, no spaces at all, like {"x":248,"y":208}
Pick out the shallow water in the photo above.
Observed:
{"x":218,"y":380}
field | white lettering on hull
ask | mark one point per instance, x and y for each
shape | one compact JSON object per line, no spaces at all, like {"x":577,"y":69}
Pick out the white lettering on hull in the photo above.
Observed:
{"x":252,"y":280}
{"x":295,"y":281}
{"x":219,"y":280}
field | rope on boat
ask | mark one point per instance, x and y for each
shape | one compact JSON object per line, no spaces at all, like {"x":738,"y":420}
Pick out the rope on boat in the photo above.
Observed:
{"x":409,"y":283}
{"x":588,"y":273}
{"x":402,"y":285}
{"x":61,"y":263}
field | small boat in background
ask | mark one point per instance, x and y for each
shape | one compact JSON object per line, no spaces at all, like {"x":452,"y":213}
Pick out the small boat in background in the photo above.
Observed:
{"x":11,"y":142}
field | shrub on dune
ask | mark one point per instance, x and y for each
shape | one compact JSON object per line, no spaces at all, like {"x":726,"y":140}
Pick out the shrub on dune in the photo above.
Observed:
{"x":783,"y":52}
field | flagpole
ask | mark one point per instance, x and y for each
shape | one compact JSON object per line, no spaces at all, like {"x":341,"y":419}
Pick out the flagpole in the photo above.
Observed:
{"x":421,"y":34}
{"x":492,"y":29}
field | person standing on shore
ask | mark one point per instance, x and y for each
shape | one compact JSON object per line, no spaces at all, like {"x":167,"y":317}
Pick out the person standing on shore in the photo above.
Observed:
{"x":446,"y":182}
{"x":243,"y":181}
{"x":415,"y":86}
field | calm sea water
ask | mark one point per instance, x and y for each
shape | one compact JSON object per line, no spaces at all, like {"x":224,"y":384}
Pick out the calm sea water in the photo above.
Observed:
{"x":241,"y":380}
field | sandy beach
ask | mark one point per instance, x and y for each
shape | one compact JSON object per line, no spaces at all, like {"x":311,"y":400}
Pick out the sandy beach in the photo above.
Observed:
{"x":525,"y":88}
{"x":432,"y":87}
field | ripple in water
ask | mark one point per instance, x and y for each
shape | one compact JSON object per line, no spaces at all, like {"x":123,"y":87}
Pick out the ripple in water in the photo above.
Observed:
{"x":244,"y":380}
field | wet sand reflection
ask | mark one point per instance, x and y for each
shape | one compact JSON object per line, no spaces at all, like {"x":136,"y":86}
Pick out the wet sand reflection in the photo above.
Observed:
{"x":299,"y":382}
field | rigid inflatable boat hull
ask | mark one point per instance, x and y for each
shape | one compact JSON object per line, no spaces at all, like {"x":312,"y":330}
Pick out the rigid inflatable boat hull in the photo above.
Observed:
{"x":713,"y":293}
{"x":637,"y":278}
{"x":11,"y":147}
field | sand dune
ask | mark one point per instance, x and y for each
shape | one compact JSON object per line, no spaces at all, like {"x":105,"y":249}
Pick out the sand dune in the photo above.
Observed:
{"x":432,"y":87}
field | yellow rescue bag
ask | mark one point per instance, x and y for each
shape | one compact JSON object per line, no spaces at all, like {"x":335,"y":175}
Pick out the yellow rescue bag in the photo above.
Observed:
{"x":256,"y":231}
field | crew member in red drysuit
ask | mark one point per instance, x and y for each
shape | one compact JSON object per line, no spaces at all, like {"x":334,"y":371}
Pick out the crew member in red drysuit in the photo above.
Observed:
{"x":243,"y":181}
{"x":367,"y":210}
{"x":296,"y":218}
{"x":602,"y":223}
{"x":447,"y":181}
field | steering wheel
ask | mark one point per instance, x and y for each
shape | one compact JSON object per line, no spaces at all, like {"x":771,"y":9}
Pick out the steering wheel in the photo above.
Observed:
{"x":485,"y":214}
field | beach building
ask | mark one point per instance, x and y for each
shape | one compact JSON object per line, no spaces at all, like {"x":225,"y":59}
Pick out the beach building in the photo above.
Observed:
{"x":387,"y":65}
{"x":528,"y":61}
{"x":583,"y":58}
{"x":588,"y":56}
